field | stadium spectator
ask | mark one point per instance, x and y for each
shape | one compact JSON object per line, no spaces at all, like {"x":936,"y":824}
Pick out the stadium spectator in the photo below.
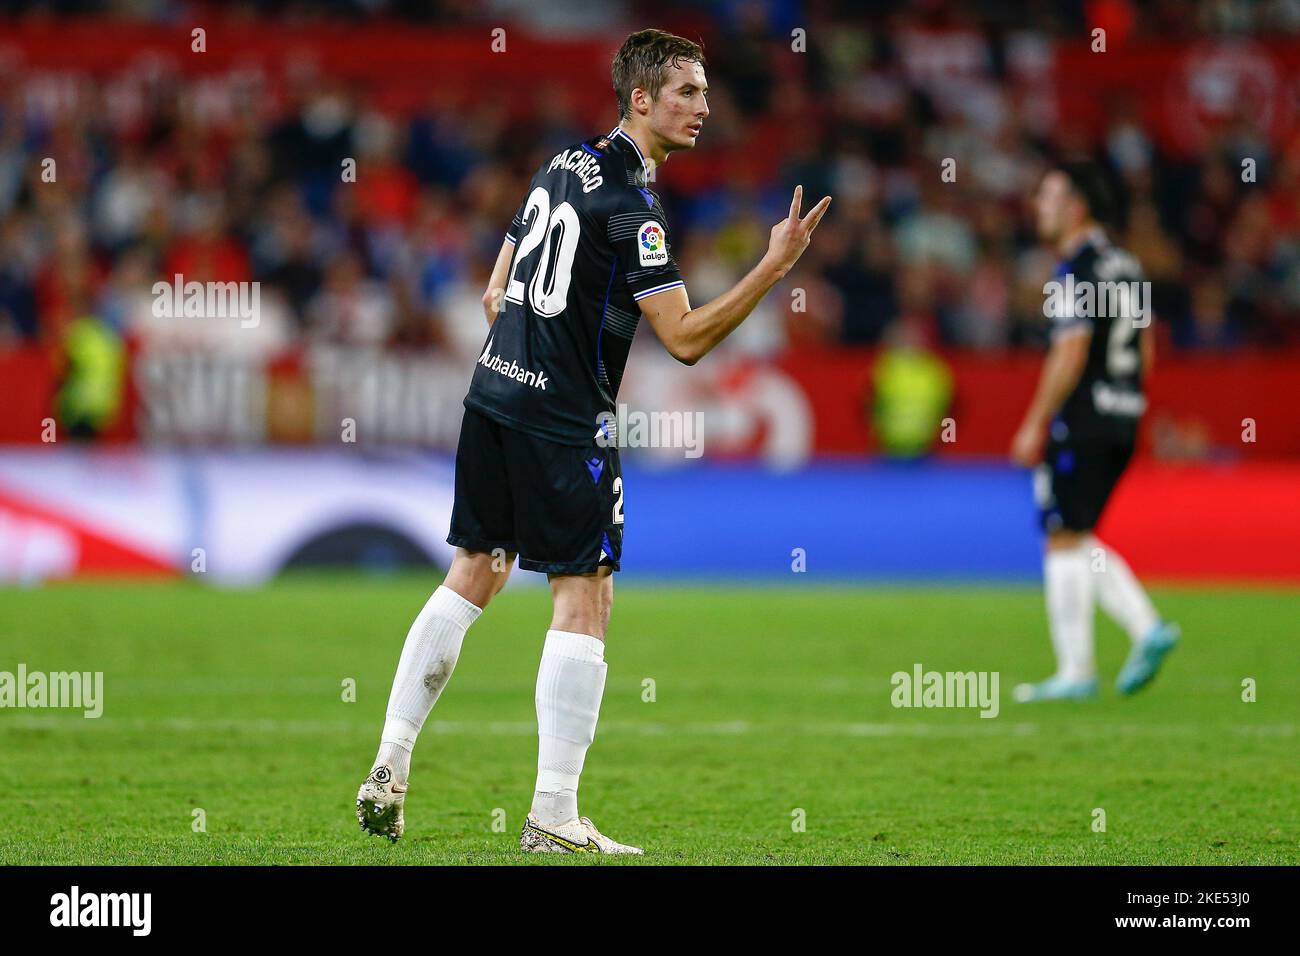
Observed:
{"x":159,"y":174}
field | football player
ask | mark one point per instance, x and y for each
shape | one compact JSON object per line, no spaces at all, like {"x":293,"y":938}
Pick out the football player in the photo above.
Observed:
{"x":588,"y":253}
{"x":1079,"y":433}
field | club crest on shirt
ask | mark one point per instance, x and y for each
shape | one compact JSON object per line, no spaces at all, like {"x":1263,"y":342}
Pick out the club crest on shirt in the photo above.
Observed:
{"x":652,"y":244}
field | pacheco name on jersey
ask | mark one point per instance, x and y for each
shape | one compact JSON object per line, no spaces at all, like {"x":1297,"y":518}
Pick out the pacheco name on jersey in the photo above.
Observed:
{"x":584,"y":165}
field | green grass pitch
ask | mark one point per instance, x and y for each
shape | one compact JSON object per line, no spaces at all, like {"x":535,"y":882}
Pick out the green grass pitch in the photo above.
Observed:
{"x":767,"y":701}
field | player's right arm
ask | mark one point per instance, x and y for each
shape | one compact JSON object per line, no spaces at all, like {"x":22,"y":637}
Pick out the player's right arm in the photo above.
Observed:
{"x":495,"y":297}
{"x":1066,"y":359}
{"x":690,"y":334}
{"x":1147,"y":349}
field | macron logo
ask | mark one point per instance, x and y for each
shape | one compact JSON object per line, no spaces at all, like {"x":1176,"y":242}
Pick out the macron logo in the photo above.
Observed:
{"x":511,"y":369}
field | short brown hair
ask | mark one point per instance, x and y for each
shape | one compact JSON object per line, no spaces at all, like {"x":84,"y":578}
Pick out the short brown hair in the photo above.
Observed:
{"x":643,"y":61}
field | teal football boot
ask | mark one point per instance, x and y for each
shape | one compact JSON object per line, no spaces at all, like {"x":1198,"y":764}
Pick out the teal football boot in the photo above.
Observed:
{"x":1145,"y":658}
{"x":1056,"y":688}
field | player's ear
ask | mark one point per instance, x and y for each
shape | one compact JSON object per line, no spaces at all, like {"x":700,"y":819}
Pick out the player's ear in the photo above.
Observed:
{"x":641,"y":101}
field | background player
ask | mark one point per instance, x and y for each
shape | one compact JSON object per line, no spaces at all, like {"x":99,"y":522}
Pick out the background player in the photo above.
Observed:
{"x":1086,"y":410}
{"x":537,"y":473}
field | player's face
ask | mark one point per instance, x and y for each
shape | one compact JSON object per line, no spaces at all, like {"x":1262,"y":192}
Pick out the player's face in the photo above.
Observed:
{"x":677,"y":113}
{"x":1056,"y":206}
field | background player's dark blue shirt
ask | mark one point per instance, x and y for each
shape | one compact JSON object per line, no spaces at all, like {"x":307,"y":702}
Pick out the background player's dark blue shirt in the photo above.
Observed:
{"x":1108,"y":401}
{"x":590,"y":240}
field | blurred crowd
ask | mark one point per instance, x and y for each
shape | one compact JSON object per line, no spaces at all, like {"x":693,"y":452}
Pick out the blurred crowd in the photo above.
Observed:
{"x":401,"y":256}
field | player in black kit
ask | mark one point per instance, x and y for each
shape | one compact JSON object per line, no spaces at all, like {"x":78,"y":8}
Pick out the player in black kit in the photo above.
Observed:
{"x":1086,"y":413}
{"x":537,"y":470}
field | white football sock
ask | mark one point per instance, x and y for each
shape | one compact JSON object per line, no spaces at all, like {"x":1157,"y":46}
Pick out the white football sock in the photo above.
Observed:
{"x":1068,"y":586}
{"x":397,"y":757}
{"x":570,"y":684}
{"x":428,"y":658}
{"x":1121,"y":596}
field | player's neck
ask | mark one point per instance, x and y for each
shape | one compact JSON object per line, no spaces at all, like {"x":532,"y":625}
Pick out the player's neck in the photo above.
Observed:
{"x":1073,"y":240}
{"x":654,"y":154}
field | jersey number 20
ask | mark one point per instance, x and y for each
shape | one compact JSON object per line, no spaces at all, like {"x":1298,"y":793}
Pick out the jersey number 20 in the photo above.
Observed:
{"x":556,"y":231}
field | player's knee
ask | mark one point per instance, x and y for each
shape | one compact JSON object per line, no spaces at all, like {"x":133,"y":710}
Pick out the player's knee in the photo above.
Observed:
{"x":501,"y":571}
{"x":478,"y":576}
{"x":605,"y":604}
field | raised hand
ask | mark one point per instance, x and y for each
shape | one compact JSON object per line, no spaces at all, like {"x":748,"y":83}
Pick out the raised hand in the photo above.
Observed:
{"x":790,"y":236}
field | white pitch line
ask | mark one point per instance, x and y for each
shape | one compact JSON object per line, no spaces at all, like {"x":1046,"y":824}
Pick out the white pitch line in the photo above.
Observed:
{"x":908,"y":727}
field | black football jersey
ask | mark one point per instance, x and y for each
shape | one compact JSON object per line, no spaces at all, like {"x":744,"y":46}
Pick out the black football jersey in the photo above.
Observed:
{"x":590,"y":241}
{"x":1101,"y":289}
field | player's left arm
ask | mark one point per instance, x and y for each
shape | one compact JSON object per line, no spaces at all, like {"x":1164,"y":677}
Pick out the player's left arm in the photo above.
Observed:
{"x":690,"y":334}
{"x":495,"y":296}
{"x":1062,"y":369}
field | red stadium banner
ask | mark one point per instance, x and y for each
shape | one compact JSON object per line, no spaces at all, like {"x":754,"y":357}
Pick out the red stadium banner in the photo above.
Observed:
{"x":249,"y":60}
{"x":1199,"y":405}
{"x":248,"y":66}
{"x":1215,"y":522}
{"x":1188,"y":94}
{"x":807,"y":403}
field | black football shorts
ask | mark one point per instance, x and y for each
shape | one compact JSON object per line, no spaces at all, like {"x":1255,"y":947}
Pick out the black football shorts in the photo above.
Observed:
{"x":559,"y":506}
{"x":1075,"y":481}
